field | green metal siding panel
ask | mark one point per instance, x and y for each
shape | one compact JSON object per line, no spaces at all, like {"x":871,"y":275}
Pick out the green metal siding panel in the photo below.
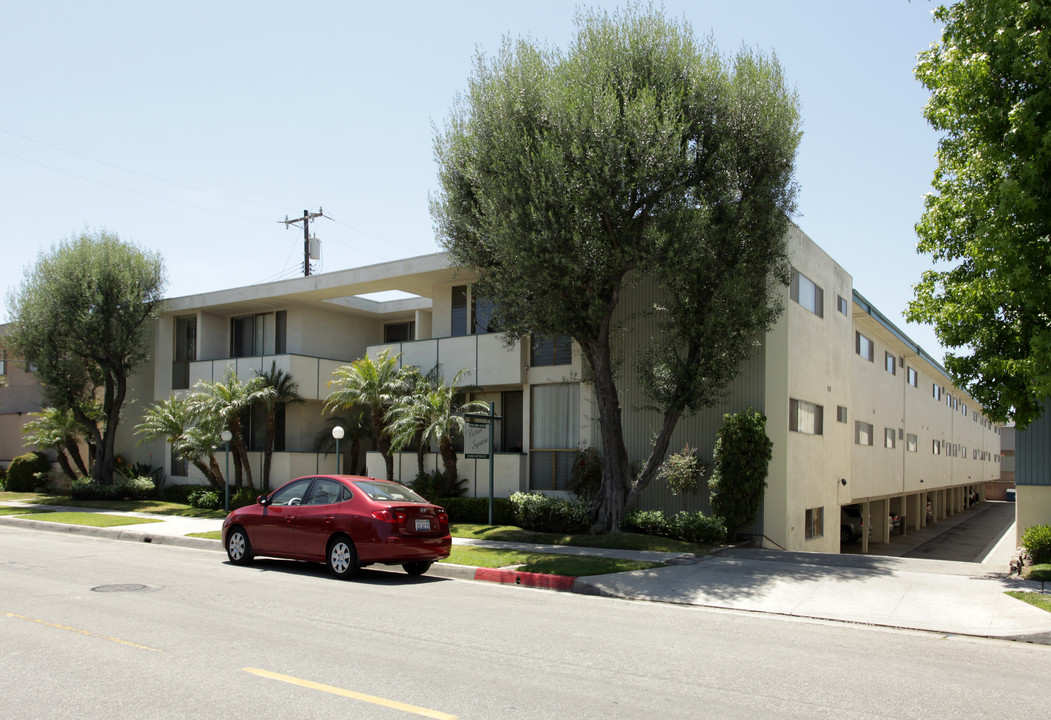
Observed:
{"x":1033,"y":452}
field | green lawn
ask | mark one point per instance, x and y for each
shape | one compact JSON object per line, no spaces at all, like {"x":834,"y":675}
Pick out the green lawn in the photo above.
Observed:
{"x":16,"y":510}
{"x":550,"y":564}
{"x":618,"y":541}
{"x":1040,"y":600}
{"x":89,"y":519}
{"x":158,"y":507}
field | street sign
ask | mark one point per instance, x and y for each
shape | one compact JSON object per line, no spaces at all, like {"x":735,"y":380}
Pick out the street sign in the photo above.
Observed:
{"x":476,"y":441}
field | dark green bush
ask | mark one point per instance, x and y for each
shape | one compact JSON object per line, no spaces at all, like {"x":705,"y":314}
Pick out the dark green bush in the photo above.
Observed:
{"x":243,"y":496}
{"x":543,"y":513}
{"x":692,"y":527}
{"x":1037,"y":542}
{"x":205,"y":499}
{"x":180,"y":493}
{"x":585,"y":477}
{"x":476,"y":510}
{"x":22,"y":473}
{"x":437,"y":485}
{"x":741,"y":462}
{"x":122,"y":488}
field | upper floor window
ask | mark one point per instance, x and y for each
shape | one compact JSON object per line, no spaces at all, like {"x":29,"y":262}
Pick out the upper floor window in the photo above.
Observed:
{"x":841,"y":304}
{"x":471,"y":315}
{"x":547,"y":351}
{"x":863,"y":346}
{"x":459,"y":311}
{"x":184,"y":350}
{"x":260,"y":334}
{"x":862,"y":433}
{"x":911,"y":441}
{"x":890,"y":362}
{"x":912,"y":376}
{"x":805,"y":417}
{"x":841,"y":414}
{"x":399,"y":332}
{"x":806,"y":293}
{"x":937,"y":391}
{"x":888,"y":438}
{"x":936,"y":447}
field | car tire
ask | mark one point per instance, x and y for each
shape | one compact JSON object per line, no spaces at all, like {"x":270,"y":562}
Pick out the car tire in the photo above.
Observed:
{"x":845,"y":536}
{"x":341,"y":558}
{"x":417,"y":567}
{"x":238,"y":547}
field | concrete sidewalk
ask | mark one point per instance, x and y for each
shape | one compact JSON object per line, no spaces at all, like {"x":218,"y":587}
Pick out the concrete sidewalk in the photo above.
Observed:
{"x":964,"y":598}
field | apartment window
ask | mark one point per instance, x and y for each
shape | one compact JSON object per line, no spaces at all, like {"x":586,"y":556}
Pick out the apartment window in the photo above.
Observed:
{"x":807,"y":294}
{"x":913,"y":377}
{"x":975,"y":415}
{"x":184,"y":350}
{"x":936,"y":447}
{"x":863,"y":346}
{"x":862,"y":433}
{"x":280,"y":332}
{"x":511,"y":410}
{"x":911,"y":442}
{"x":936,"y":392}
{"x":459,"y":311}
{"x":890,"y":362}
{"x":548,"y":351}
{"x":963,"y":451}
{"x":841,"y":304}
{"x":805,"y":417}
{"x":815,"y":523}
{"x":484,"y":312}
{"x":888,"y":438}
{"x":246,"y":336}
{"x":555,"y":430}
{"x":963,"y":409}
{"x":180,"y":465}
{"x":399,"y":332}
{"x":841,"y":414}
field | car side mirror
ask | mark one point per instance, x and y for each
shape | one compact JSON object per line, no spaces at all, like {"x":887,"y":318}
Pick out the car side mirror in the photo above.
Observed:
{"x":263,"y":500}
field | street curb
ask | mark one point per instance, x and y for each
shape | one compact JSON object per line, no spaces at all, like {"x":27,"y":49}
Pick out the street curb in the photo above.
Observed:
{"x":114,"y":533}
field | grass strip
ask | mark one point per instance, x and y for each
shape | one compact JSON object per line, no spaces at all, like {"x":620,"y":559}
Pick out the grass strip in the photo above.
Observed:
{"x":89,"y":519}
{"x":210,"y":535}
{"x":550,"y":564}
{"x":1039,"y":600}
{"x":17,"y":510}
{"x":157,"y":507}
{"x":615,"y":541}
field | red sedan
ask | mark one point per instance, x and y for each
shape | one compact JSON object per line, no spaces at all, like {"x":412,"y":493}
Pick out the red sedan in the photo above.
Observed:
{"x":345,"y":521}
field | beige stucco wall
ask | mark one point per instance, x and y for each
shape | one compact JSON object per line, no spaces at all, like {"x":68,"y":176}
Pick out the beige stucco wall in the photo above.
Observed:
{"x":1032,"y":507}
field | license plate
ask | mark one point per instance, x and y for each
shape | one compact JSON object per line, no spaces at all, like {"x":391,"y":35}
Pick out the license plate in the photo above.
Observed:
{"x":423,"y":525}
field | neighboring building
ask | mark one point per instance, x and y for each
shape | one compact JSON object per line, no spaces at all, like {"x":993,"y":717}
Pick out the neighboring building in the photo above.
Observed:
{"x":856,"y":411}
{"x":997,"y":490}
{"x":18,"y":397}
{"x":1033,"y":473}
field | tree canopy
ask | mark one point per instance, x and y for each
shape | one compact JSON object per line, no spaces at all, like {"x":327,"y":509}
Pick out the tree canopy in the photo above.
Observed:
{"x":82,"y":319}
{"x":987,"y":226}
{"x":638,"y":155}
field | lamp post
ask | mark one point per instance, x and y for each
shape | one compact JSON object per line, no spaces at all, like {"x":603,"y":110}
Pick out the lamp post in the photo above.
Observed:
{"x":337,"y":433}
{"x":227,"y":436}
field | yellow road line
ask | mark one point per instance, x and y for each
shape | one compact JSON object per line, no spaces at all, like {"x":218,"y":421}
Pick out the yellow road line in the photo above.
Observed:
{"x":351,"y":694}
{"x":82,"y":632}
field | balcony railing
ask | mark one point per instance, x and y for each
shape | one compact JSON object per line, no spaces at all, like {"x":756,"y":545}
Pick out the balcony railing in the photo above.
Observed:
{"x":312,"y":374}
{"x":486,"y":358}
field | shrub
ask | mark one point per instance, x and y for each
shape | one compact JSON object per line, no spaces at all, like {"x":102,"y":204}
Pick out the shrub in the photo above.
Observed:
{"x":476,"y":510}
{"x":140,"y":488}
{"x":22,"y":473}
{"x":84,"y":488}
{"x":205,"y":499}
{"x":682,"y":471}
{"x":1037,"y":542}
{"x":437,"y":485}
{"x":741,"y":460}
{"x":647,"y":522}
{"x":692,"y":527}
{"x":243,"y":496}
{"x":543,"y":513}
{"x":585,"y":476}
{"x":180,"y":493}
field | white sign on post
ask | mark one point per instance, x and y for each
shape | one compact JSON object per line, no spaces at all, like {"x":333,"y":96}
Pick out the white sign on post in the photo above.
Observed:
{"x":476,"y":441}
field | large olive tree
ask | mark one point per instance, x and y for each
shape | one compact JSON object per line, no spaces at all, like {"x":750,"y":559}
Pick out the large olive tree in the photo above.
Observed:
{"x":640,"y":154}
{"x":82,"y":318}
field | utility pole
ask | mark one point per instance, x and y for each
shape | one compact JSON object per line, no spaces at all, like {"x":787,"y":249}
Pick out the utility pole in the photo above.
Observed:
{"x":307,"y":217}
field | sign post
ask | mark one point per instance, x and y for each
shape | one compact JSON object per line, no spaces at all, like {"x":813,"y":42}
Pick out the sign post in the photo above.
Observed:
{"x":478,"y":444}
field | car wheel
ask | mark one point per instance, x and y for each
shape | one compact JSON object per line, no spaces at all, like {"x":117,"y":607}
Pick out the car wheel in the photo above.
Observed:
{"x":417,"y":567}
{"x":342,"y":559}
{"x":845,"y":536}
{"x":238,"y":548}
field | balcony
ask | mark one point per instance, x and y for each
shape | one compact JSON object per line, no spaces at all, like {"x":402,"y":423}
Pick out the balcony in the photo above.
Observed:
{"x":310,"y":373}
{"x":488,"y":361}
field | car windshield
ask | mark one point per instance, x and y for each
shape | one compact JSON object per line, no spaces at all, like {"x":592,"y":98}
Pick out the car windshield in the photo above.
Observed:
{"x":378,"y":490}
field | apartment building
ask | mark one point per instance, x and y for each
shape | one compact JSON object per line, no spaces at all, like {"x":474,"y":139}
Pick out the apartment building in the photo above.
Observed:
{"x":858,"y":414}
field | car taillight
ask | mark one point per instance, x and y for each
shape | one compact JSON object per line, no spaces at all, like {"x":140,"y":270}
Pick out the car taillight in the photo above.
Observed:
{"x":393,"y":516}
{"x":443,"y":517}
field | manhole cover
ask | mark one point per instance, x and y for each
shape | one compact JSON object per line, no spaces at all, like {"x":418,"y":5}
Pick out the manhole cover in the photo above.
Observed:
{"x":128,"y":587}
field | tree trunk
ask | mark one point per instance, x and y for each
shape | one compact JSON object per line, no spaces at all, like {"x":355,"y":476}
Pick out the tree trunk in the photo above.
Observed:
{"x":63,"y":462}
{"x":209,"y":475}
{"x":217,"y":475}
{"x":240,"y":452}
{"x":609,"y":506}
{"x":355,"y":456}
{"x":268,"y":449}
{"x":383,"y":442}
{"x":448,"y":453}
{"x":420,"y":451}
{"x":73,"y":450}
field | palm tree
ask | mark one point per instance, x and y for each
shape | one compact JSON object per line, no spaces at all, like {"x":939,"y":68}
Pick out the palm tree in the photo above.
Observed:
{"x":226,"y":399}
{"x":356,"y":427}
{"x":57,"y":430}
{"x":192,"y":437}
{"x":285,"y":393}
{"x":374,"y":385}
{"x":412,"y":422}
{"x":440,"y":412}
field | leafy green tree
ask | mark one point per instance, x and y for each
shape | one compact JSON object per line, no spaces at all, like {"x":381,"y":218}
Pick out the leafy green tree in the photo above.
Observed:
{"x":192,"y":436}
{"x":82,"y":317}
{"x":741,"y":462}
{"x":286,"y":392}
{"x":227,"y":400}
{"x":58,"y":430}
{"x":987,"y":225}
{"x":640,"y":155}
{"x":435,"y":415}
{"x":372,"y":384}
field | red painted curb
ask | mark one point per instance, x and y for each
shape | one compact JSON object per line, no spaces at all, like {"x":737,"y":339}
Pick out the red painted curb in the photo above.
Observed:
{"x":526,"y":579}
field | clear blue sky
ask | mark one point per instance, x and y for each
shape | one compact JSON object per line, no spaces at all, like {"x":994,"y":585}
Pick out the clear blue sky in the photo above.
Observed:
{"x":193,"y":128}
